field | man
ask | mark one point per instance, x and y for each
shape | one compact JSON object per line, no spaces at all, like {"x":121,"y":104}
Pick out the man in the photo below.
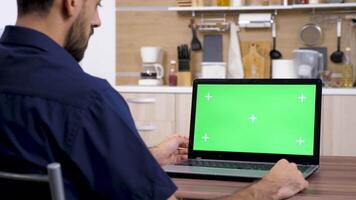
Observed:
{"x":50,"y":110}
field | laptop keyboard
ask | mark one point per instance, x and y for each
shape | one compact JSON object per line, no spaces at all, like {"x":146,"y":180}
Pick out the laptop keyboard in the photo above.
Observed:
{"x":233,"y":165}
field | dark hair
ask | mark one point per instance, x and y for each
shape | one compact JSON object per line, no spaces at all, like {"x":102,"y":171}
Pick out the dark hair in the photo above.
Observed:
{"x":41,"y":7}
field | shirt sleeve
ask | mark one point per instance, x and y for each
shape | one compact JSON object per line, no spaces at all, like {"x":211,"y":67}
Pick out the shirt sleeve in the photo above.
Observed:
{"x":113,"y":157}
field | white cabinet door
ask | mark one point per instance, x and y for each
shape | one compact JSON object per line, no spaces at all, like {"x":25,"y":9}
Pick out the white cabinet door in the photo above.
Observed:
{"x":338,"y":136}
{"x":154,"y":115}
{"x":154,"y":132}
{"x":183,"y":110}
{"x":153,"y":107}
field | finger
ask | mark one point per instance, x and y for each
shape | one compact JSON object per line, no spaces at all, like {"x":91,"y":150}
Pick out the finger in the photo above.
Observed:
{"x":175,"y":152}
{"x":182,"y":141}
{"x":182,"y":158}
{"x":293,"y":165}
{"x":183,"y":151}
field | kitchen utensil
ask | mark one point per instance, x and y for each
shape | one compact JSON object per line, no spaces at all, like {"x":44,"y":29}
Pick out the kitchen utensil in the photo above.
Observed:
{"x":183,"y":58}
{"x":235,"y":67}
{"x":255,"y":58}
{"x":195,"y":44}
{"x":308,"y":63}
{"x":311,"y":34}
{"x":213,"y":48}
{"x":338,"y":55}
{"x":322,"y":50}
{"x":274,"y":53}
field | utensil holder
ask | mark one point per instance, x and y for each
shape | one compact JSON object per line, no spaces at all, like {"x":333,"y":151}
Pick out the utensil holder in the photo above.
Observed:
{"x":183,"y":65}
{"x":184,"y":78}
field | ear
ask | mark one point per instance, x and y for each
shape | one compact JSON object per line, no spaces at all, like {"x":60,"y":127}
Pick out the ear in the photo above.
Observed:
{"x":70,"y":7}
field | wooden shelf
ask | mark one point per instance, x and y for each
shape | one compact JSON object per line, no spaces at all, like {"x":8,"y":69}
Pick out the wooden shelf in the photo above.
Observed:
{"x":220,"y":8}
{"x":281,"y":7}
{"x":325,"y":6}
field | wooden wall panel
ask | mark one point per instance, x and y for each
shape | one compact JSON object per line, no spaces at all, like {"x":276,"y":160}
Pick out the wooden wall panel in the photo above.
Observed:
{"x":168,"y":29}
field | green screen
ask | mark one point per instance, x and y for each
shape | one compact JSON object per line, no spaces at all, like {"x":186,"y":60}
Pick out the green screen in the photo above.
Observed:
{"x":276,"y":119}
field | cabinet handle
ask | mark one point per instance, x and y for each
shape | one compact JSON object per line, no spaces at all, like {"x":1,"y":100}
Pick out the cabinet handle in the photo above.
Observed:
{"x":146,"y":128}
{"x":141,"y":100}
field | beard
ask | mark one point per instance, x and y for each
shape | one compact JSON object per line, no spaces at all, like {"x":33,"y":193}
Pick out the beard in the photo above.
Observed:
{"x":77,"y":39}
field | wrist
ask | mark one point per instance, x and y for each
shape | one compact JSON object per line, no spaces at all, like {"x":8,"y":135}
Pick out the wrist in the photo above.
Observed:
{"x":155,"y":153}
{"x":266,"y":189}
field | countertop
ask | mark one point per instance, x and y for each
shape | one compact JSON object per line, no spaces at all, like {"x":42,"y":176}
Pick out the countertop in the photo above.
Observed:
{"x":188,"y":90}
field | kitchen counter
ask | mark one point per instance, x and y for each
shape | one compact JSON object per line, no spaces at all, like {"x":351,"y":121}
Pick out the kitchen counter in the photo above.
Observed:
{"x":188,"y":90}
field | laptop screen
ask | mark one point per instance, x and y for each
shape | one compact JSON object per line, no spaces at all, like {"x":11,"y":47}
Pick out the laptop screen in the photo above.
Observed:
{"x":255,"y":118}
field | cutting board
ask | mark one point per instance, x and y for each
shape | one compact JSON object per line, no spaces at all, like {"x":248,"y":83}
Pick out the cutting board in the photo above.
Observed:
{"x":255,"y":59}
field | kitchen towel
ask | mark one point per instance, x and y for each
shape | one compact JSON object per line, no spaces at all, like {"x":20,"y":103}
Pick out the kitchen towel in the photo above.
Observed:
{"x":234,"y":67}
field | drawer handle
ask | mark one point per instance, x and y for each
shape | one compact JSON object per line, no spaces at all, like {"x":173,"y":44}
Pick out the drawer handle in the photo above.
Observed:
{"x":146,"y":128}
{"x":141,"y":100}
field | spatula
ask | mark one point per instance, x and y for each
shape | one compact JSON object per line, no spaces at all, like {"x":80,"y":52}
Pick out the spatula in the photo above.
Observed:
{"x":195,"y":44}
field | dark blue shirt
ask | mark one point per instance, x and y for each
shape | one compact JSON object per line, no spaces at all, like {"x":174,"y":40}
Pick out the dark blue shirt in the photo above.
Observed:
{"x":52,"y":111}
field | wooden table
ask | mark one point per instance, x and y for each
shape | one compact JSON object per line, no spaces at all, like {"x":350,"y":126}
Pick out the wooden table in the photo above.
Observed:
{"x":335,"y":180}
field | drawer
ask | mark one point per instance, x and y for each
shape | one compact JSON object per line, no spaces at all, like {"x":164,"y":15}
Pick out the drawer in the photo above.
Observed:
{"x":154,"y":132}
{"x":152,"y":107}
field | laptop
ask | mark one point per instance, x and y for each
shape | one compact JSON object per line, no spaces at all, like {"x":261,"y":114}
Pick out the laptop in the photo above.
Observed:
{"x":242,"y":127}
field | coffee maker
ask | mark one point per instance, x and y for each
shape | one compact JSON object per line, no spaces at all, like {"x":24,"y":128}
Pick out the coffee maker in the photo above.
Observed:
{"x":153,"y":72}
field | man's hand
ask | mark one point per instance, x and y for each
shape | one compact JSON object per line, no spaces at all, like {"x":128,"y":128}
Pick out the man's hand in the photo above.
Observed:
{"x":287,"y":178}
{"x":171,"y":151}
{"x":283,"y":181}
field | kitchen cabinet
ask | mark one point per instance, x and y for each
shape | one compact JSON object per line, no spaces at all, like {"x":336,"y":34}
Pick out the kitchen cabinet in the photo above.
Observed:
{"x":159,"y":115}
{"x":183,"y":110}
{"x":154,"y":115}
{"x":338,"y":137}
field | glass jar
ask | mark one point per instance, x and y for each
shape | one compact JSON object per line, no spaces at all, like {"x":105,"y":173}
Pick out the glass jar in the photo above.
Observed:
{"x":275,"y":2}
{"x":223,"y":2}
{"x":255,"y":2}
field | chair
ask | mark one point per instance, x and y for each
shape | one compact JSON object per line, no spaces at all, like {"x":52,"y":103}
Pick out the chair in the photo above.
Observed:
{"x":15,"y":181}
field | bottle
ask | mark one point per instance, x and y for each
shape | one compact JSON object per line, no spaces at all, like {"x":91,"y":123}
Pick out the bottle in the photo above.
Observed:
{"x":172,"y":78}
{"x":223,"y":2}
{"x":347,"y":69}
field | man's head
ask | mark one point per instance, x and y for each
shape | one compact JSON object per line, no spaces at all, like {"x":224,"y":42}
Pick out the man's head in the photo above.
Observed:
{"x":76,"y":20}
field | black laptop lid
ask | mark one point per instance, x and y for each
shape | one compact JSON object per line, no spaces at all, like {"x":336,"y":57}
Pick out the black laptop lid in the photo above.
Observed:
{"x":260,"y":120}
